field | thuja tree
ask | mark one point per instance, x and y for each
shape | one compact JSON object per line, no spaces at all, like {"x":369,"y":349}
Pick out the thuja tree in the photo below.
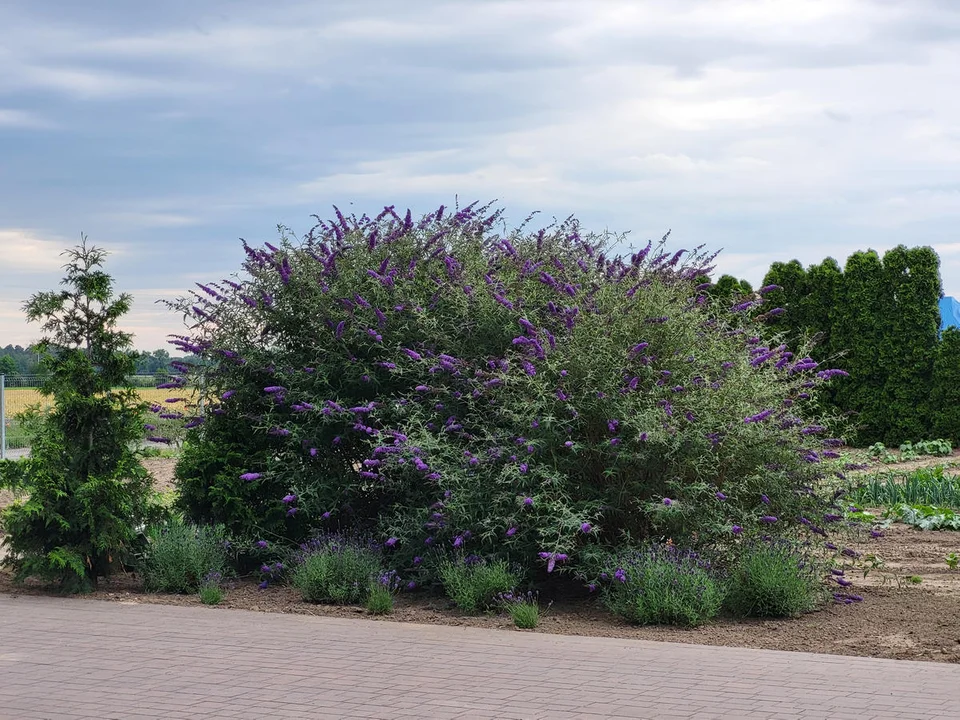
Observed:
{"x":791,"y":281}
{"x":86,"y":492}
{"x":911,"y":331}
{"x":860,"y":324}
{"x":945,"y":392}
{"x":450,"y":387}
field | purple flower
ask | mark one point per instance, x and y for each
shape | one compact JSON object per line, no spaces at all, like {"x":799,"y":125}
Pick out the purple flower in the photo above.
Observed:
{"x":412,"y":354}
{"x":667,"y":501}
{"x":262,"y":544}
{"x":528,"y":502}
{"x":411,"y":585}
{"x":764,"y":499}
{"x":736,"y":529}
{"x":523,"y":467}
{"x":720,"y":496}
{"x":390,"y":542}
{"x":614,"y":441}
{"x":768,"y":519}
{"x":251,"y":476}
{"x":287,"y":499}
{"x":586,"y":528}
{"x":843,"y":582}
{"x":264,"y":584}
{"x":274,"y":389}
{"x":511,"y":532}
{"x":620,"y":575}
{"x":228,"y":394}
{"x":292,"y":511}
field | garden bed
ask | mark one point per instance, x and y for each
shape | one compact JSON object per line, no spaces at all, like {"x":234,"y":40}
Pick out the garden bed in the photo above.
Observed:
{"x":911,"y":622}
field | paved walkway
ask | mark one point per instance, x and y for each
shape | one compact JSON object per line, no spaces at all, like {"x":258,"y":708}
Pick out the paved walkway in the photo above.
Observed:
{"x":64,"y":659}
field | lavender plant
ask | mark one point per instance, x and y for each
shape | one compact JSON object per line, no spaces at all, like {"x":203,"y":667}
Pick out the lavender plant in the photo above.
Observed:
{"x":518,"y":395}
{"x":661,"y":585}
{"x":475,"y":584}
{"x":775,"y":579}
{"x":336,"y":569}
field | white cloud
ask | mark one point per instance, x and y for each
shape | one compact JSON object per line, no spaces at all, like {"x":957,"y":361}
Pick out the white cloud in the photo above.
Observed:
{"x":21,"y":118}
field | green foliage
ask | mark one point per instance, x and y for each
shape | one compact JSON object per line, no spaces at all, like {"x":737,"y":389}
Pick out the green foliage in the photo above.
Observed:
{"x":911,"y":332}
{"x":861,"y":326}
{"x":211,"y":592}
{"x":476,"y":586}
{"x":524,"y":609}
{"x":379,"y":600}
{"x":180,"y":558}
{"x":8,"y":366}
{"x":422,"y":381}
{"x":661,"y":586}
{"x":923,"y":486}
{"x":952,"y":560}
{"x":88,"y":493}
{"x":927,"y":517}
{"x":945,"y":389}
{"x":791,"y":280}
{"x":773,"y":580}
{"x":336,"y":570}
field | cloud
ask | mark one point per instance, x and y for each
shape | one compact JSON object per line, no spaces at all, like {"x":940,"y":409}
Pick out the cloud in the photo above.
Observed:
{"x":11,"y":118}
{"x":30,"y":252}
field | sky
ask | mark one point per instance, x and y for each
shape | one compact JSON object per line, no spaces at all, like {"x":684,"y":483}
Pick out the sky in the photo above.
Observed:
{"x":166,"y":131}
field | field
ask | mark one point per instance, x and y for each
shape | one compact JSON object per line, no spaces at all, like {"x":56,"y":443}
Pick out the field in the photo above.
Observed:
{"x":17,"y":400}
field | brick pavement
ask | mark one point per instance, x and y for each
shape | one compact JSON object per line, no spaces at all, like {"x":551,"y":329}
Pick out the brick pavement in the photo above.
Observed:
{"x":69,"y":658}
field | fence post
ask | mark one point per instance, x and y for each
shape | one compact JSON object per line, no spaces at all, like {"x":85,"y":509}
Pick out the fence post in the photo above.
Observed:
{"x":3,"y":417}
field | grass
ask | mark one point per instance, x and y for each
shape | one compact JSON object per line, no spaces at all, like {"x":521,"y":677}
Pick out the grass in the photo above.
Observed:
{"x":923,"y":486}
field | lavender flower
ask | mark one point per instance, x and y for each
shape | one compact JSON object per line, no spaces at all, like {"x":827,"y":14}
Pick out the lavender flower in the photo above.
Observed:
{"x":250,"y":476}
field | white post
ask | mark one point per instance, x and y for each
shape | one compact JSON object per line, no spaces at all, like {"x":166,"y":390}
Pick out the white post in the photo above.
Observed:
{"x":3,"y":418}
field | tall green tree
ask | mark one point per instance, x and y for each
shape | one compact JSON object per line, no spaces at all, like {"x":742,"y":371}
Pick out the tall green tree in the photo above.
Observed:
{"x":911,"y":326}
{"x":791,"y":280}
{"x":86,"y":490}
{"x":945,"y":392}
{"x":865,"y":299}
{"x":8,"y":366}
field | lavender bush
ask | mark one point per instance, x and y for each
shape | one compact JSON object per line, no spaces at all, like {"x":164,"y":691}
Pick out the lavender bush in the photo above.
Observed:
{"x":661,"y":585}
{"x":448,"y":385}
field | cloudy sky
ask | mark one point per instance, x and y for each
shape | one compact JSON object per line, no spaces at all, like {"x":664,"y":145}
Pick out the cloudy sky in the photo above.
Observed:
{"x":772,"y":129}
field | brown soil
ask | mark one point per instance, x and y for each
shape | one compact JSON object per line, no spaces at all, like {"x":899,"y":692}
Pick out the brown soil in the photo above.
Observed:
{"x":895,"y":620}
{"x":162,"y":470}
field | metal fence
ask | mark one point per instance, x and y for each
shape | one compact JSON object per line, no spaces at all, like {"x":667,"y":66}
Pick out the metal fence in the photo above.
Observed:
{"x":22,"y":392}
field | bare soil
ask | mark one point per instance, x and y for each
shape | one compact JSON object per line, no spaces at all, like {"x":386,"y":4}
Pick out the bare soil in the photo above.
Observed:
{"x":897,"y":619}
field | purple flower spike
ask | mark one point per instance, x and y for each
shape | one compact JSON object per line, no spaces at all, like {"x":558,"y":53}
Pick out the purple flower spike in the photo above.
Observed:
{"x":736,"y":529}
{"x":287,"y":499}
{"x":292,"y":511}
{"x":391,"y":542}
{"x":764,"y":499}
{"x":720,"y":496}
{"x":586,"y":528}
{"x":228,"y":394}
{"x":667,"y":501}
{"x":511,"y":532}
{"x":768,"y":519}
{"x":250,"y":477}
{"x":528,"y":502}
{"x":262,"y":544}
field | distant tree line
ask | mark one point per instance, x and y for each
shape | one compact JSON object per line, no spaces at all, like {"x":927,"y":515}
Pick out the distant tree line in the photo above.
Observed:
{"x":16,"y":360}
{"x":878,"y":319}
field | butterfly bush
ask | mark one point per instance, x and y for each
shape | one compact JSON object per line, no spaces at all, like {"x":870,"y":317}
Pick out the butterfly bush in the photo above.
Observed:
{"x":445,"y":385}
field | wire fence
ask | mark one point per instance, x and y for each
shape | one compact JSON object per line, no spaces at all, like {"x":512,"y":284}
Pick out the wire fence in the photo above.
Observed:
{"x":19,"y":393}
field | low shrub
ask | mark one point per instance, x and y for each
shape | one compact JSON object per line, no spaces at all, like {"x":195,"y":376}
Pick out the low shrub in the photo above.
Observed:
{"x":773,"y":579}
{"x":211,"y":593}
{"x":661,"y":585}
{"x":380,"y":599}
{"x":178,"y":557}
{"x":336,"y":570}
{"x":475,"y":584}
{"x":524,"y":609}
